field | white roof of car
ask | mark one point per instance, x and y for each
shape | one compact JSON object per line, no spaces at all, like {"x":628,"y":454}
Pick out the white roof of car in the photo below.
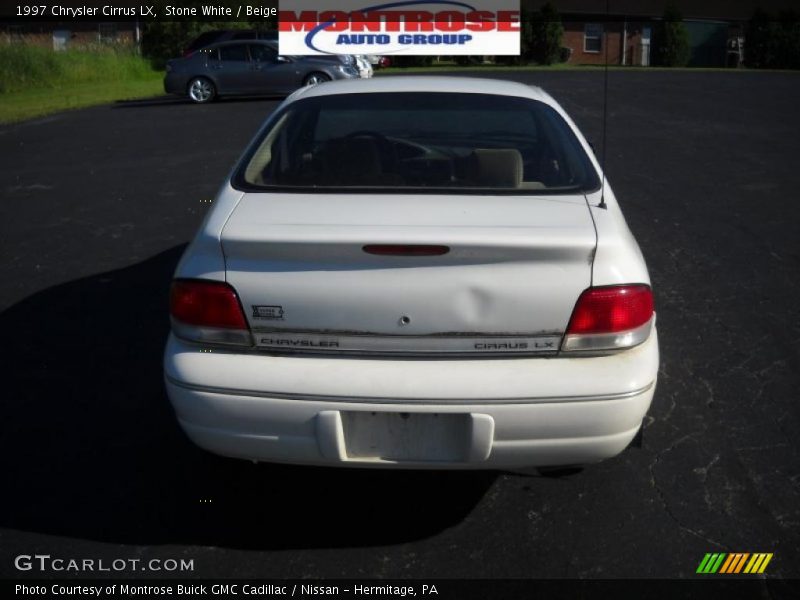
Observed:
{"x":463,"y":85}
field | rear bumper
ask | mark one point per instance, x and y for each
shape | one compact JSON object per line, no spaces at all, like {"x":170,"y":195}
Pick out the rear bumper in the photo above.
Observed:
{"x":505,"y":413}
{"x":176,"y":83}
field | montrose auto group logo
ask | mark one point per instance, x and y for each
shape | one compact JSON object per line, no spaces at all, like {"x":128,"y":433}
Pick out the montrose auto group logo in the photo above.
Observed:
{"x":403,"y":27}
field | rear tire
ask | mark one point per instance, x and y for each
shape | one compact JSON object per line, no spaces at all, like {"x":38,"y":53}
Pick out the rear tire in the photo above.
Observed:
{"x":201,"y":90}
{"x":315,"y":78}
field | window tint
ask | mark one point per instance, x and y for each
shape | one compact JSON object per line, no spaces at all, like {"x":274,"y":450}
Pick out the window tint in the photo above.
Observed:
{"x":427,"y":141}
{"x":263,"y":53}
{"x":233,"y":53}
{"x":336,"y":122}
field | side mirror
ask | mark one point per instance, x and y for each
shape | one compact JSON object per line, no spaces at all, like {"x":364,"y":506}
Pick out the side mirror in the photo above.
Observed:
{"x":282,"y":59}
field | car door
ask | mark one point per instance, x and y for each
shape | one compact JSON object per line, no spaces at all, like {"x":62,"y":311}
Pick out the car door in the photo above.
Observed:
{"x":272,"y":74}
{"x":230,"y":66}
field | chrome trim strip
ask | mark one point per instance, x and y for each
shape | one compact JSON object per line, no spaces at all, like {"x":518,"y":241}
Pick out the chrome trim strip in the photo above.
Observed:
{"x":395,"y":401}
{"x":282,"y":341}
{"x":340,"y":343}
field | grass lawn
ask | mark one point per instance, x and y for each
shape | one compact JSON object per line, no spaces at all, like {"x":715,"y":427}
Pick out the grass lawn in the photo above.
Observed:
{"x":36,"y":81}
{"x":37,"y":102}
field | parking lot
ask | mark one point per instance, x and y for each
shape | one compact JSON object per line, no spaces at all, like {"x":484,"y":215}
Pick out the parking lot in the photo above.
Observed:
{"x":98,"y":204}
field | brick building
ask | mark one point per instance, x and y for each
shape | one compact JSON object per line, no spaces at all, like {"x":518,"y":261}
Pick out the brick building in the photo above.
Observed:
{"x":627,"y":26}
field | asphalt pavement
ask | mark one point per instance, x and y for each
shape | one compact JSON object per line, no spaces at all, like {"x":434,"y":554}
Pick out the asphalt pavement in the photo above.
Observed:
{"x":97,"y":206}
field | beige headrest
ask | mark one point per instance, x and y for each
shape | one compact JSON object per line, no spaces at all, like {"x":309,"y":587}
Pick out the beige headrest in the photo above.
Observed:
{"x":499,"y":168}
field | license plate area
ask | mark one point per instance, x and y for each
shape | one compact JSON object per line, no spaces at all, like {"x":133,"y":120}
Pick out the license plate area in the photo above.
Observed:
{"x":397,"y":437}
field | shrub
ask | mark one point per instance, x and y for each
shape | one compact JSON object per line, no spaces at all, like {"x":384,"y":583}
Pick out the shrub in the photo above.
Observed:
{"x":24,"y":66}
{"x":759,"y":40}
{"x":411,"y":61}
{"x":787,"y":41}
{"x":772,"y":43}
{"x":468,"y":60}
{"x":672,"y":39}
{"x":162,"y":40}
{"x":541,"y":35}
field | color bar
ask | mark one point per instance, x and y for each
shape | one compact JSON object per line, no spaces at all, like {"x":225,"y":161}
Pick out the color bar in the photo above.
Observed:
{"x":726,"y":565}
{"x":765,"y":563}
{"x":717,"y":563}
{"x":754,"y":563}
{"x":703,"y":563}
{"x":741,"y":562}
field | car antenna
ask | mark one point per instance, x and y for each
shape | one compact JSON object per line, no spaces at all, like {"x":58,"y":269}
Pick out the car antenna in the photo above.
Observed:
{"x":605,"y":111}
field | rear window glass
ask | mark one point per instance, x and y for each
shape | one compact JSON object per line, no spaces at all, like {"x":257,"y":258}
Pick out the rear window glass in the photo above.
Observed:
{"x":418,"y":141}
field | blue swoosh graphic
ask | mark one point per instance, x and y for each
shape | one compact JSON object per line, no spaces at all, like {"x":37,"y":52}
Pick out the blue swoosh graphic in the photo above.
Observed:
{"x":310,"y":37}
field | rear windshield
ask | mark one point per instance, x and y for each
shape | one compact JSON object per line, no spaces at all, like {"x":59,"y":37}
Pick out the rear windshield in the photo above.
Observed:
{"x":426,"y":142}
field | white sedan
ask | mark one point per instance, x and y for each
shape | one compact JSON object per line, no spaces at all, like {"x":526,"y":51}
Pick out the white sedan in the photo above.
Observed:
{"x":414,"y":272}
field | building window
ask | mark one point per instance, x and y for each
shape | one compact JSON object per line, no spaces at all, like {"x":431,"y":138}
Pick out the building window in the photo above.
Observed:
{"x":107,"y":32}
{"x":61,"y":38}
{"x":592,"y":37}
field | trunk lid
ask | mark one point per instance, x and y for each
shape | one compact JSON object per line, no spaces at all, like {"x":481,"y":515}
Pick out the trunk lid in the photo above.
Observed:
{"x":514,"y":270}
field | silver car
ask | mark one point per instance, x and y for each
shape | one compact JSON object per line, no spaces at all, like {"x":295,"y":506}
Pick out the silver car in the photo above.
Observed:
{"x":250,"y":68}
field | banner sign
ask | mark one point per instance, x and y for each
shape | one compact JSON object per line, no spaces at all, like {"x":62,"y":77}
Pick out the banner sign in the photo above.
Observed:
{"x":402,"y":27}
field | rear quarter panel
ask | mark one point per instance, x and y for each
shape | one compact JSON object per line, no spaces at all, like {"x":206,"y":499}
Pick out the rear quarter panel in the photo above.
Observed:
{"x":618,"y":258}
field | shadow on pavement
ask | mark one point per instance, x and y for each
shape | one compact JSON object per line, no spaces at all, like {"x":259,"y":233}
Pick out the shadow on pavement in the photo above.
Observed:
{"x":153,"y":101}
{"x":183,"y":101}
{"x":93,"y":449}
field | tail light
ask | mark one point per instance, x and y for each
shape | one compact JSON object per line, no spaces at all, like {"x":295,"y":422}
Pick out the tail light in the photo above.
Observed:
{"x":610,"y":318}
{"x":207,"y":312}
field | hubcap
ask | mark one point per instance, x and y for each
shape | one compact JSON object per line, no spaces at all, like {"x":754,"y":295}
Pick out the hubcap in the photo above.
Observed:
{"x":200,"y":90}
{"x":315,"y":79}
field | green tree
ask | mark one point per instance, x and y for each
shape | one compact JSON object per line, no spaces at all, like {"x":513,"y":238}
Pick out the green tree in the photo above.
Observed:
{"x":399,"y":60}
{"x":759,"y":41}
{"x":540,"y":37}
{"x":672,"y":39}
{"x":787,"y":40}
{"x":544,"y":32}
{"x":162,"y":40}
{"x":771,"y":43}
